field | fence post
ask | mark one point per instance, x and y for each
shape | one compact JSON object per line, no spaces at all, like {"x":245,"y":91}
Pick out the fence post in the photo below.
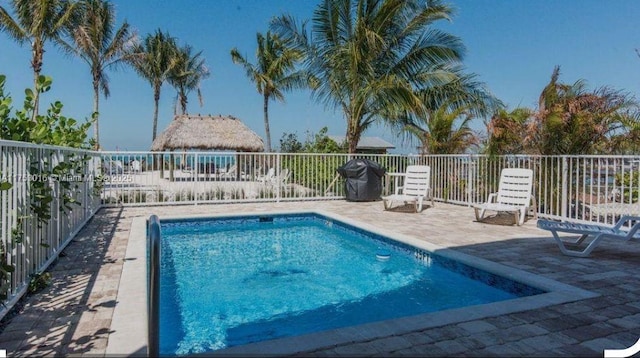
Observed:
{"x":470,"y":181}
{"x":278,"y":171}
{"x":564,"y":188}
{"x":194,"y":172}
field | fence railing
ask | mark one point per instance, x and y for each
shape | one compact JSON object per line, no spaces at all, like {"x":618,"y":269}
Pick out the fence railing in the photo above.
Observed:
{"x":139,"y":178}
{"x":579,"y":188}
{"x":52,"y":194}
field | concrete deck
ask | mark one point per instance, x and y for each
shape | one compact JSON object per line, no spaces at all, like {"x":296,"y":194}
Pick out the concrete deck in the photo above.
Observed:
{"x":74,"y":315}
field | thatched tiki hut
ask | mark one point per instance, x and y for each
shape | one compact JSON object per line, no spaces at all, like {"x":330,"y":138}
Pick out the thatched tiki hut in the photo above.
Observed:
{"x":206,"y":133}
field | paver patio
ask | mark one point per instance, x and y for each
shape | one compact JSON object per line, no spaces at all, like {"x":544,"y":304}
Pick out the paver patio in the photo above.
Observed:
{"x":73,"y":315}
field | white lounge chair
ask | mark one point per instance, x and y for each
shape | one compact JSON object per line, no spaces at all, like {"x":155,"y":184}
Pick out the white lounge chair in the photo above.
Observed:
{"x":134,"y":166}
{"x":415,"y":188}
{"x":282,"y":178}
{"x":271,"y":178}
{"x":231,"y":173}
{"x":268,"y":177}
{"x":597,"y":232}
{"x":513,"y":196}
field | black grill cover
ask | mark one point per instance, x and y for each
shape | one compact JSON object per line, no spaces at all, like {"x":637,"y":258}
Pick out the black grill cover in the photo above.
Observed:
{"x":363,"y":179}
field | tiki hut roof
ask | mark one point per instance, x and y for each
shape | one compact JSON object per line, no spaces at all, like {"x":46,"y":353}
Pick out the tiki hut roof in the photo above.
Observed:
{"x":208,"y":133}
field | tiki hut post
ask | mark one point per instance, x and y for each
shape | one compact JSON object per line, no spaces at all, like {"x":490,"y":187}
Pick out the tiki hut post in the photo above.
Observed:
{"x":171,"y":165}
{"x":161,"y":165}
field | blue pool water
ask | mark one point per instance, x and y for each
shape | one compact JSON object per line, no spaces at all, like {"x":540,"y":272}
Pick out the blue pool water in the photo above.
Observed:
{"x":227,"y":282}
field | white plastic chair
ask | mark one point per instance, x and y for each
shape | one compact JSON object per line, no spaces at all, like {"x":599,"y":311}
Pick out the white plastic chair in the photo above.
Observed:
{"x":135,"y":166}
{"x":513,"y":196}
{"x":274,"y":179}
{"x":267,"y":178}
{"x":415,"y":188}
{"x":283,"y":178}
{"x":597,"y":232}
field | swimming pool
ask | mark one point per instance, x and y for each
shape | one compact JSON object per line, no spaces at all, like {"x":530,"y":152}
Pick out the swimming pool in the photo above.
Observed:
{"x":237,"y":280}
{"x":129,"y":321}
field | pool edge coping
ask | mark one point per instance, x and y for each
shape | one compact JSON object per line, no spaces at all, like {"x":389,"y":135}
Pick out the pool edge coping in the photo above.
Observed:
{"x":134,"y":270}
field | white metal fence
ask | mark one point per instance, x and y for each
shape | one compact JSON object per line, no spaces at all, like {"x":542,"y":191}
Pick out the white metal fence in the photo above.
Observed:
{"x":579,"y":188}
{"x":52,"y":196}
{"x":35,"y":229}
{"x":140,"y":178}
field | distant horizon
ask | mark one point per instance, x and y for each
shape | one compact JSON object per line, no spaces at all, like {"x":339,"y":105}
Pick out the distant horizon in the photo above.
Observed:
{"x":512,"y":46}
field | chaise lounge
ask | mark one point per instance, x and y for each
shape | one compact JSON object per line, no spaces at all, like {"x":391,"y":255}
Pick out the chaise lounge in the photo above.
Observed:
{"x":597,"y":232}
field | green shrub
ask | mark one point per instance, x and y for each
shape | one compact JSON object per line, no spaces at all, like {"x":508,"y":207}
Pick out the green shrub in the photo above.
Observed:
{"x":630,"y":182}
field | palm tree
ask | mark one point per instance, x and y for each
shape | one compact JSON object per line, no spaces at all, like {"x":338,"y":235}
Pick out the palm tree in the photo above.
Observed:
{"x":506,"y":131}
{"x":36,"y":22}
{"x":274,"y":72}
{"x":445,"y":106}
{"x":445,"y":131}
{"x":152,"y":59}
{"x":95,"y":42}
{"x":369,"y":58}
{"x":572,"y":120}
{"x":187,"y":71}
{"x":628,"y":142}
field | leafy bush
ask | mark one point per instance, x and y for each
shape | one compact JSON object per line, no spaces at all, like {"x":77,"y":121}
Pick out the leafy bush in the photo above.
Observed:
{"x":629,"y":182}
{"x":52,"y":128}
{"x":313,"y":174}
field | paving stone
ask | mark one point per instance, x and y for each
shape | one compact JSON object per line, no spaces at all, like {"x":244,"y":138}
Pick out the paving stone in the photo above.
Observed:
{"x":626,"y":339}
{"x":548,"y":341}
{"x":428,"y":350}
{"x":558,"y":324}
{"x":11,"y":345}
{"x":585,"y":333}
{"x":476,"y":326}
{"x":600,"y":344}
{"x":501,"y":350}
{"x":489,"y":338}
{"x":522,"y":348}
{"x":603,"y":276}
{"x":390,"y":344}
{"x":578,"y":351}
{"x":418,"y":338}
{"x":445,"y":333}
{"x":504,"y":321}
{"x":523,"y":331}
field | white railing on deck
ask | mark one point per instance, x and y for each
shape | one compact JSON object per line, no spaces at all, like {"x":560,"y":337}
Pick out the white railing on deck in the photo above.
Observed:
{"x":579,"y":188}
{"x":27,"y":244}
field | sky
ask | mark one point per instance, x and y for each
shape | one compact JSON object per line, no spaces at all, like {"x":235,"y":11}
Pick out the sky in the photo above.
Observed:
{"x":512,"y":46}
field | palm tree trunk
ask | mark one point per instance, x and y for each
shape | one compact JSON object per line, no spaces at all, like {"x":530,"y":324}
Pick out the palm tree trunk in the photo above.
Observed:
{"x":158,"y":163}
{"x":183,"y":103}
{"x":96,"y":126}
{"x":156,"y":101}
{"x":36,"y":64}
{"x":266,"y":123}
{"x":36,"y":96}
{"x":353,"y":137}
{"x":183,"y":99}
